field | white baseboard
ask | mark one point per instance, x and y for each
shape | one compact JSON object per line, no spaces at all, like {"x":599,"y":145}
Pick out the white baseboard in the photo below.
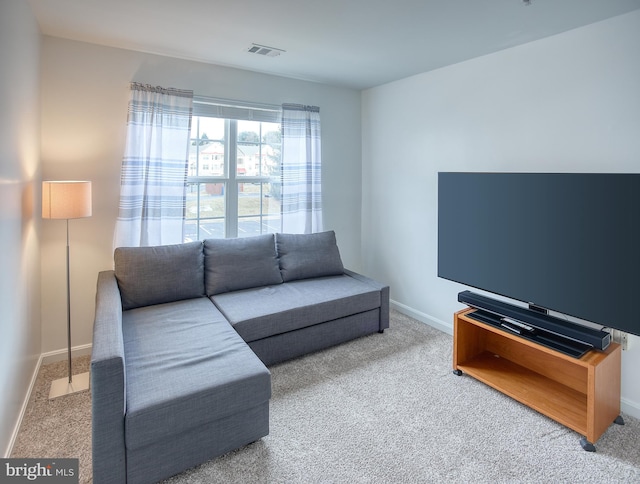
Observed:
{"x":59,"y":355}
{"x":420,"y":316}
{"x":44,"y":359}
{"x":630,"y":408}
{"x":23,"y":409}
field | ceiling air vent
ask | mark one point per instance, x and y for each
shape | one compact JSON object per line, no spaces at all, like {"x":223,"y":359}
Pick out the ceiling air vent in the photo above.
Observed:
{"x":264,"y":50}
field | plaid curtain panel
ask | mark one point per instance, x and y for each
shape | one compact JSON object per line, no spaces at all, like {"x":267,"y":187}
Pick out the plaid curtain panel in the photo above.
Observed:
{"x":154,"y":167}
{"x":301,"y":169}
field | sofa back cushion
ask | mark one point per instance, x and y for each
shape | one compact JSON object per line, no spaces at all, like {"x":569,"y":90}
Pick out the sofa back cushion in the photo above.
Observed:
{"x":159,"y":274}
{"x":303,"y":256}
{"x":241,"y":263}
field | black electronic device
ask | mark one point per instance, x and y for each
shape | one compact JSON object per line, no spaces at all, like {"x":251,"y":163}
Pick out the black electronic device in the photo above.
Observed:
{"x":517,"y":318}
{"x":566,"y":242}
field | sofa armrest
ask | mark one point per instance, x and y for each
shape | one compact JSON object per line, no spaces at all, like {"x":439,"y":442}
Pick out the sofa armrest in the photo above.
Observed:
{"x":384,"y":296}
{"x":108,"y":384}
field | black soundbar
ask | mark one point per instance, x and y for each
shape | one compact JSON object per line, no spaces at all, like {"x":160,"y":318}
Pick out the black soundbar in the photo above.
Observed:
{"x":597,"y":338}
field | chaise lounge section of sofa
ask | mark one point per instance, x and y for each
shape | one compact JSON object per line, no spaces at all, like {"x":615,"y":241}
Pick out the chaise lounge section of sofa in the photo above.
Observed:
{"x":182,"y":335}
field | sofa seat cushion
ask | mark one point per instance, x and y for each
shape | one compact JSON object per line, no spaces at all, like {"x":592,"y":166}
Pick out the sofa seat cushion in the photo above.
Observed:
{"x":262,"y":312}
{"x":186,"y":366}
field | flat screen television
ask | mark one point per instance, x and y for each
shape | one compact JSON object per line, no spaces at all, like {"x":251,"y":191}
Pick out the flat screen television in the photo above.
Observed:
{"x":566,"y":242}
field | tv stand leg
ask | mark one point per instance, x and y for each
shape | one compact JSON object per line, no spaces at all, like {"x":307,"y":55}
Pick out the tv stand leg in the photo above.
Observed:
{"x":619,"y":420}
{"x":586,"y":445}
{"x":457,"y":372}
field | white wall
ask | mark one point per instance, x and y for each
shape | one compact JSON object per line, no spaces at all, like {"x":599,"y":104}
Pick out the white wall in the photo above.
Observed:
{"x":19,"y":210}
{"x":85,"y":90}
{"x":566,"y":103}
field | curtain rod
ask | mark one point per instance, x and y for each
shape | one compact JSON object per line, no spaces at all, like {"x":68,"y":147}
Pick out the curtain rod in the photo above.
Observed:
{"x":230,"y":103}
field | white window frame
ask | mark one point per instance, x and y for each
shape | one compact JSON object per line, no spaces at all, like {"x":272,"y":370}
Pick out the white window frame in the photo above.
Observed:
{"x":232,"y":112}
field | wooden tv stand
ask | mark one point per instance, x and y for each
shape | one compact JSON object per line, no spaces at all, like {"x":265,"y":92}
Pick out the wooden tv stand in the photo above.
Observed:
{"x":580,"y":393}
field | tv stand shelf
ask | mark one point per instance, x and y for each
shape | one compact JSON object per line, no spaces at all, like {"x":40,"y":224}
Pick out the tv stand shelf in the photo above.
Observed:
{"x":580,"y":393}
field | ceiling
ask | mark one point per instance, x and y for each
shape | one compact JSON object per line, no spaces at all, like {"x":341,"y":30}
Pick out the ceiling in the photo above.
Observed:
{"x":352,"y":43}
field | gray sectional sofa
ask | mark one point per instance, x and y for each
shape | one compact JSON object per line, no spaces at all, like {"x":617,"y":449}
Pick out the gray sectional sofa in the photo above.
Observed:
{"x":182,"y":335}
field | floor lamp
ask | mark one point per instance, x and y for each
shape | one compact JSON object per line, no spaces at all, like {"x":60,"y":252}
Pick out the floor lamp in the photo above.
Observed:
{"x":67,"y":200}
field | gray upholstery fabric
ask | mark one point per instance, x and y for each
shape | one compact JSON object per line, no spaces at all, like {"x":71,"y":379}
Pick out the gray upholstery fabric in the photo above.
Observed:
{"x":172,"y":455}
{"x":233,"y":264}
{"x":186,"y":367}
{"x":160,"y":274}
{"x":304,"y":256}
{"x":267,"y":311}
{"x":282,"y":347}
{"x":384,"y":296}
{"x":107,"y":384}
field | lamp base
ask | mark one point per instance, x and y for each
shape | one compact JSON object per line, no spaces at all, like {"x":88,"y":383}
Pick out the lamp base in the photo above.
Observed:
{"x":62,"y":387}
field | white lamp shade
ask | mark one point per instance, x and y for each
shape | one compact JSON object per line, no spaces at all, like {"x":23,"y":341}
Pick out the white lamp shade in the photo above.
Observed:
{"x":66,"y":199}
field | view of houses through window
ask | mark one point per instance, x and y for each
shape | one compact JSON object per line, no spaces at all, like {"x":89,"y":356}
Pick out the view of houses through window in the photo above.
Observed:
{"x":233,"y":182}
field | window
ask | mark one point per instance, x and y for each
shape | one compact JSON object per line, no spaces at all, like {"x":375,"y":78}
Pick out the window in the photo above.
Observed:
{"x":233,"y":179}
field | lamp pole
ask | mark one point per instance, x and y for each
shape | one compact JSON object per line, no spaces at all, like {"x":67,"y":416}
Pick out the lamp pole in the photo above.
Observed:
{"x":68,"y":309}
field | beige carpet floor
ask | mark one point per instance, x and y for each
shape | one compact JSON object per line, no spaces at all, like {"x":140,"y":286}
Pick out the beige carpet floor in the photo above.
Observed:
{"x":384,"y":408}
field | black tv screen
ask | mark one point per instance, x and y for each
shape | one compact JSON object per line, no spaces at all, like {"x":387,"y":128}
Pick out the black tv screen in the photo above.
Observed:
{"x":566,"y":242}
